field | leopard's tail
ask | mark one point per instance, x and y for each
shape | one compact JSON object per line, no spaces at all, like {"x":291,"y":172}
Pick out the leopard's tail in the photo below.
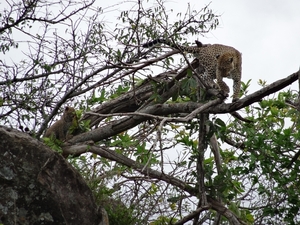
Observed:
{"x":159,"y":41}
{"x":171,"y":44}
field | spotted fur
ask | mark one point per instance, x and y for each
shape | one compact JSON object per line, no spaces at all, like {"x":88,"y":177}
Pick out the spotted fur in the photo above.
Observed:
{"x":218,"y":61}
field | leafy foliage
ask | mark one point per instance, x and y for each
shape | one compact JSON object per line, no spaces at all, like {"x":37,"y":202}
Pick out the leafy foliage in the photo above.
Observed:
{"x":143,"y":155}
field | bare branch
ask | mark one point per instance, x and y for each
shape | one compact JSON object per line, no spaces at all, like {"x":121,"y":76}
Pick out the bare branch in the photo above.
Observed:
{"x":112,"y":155}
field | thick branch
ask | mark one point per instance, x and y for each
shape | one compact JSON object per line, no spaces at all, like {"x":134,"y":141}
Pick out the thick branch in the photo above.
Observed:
{"x":258,"y":95}
{"x":215,"y":149}
{"x":192,"y":215}
{"x":116,"y":127}
{"x":164,"y":109}
{"x":133,"y":99}
{"x":202,"y":145}
{"x":114,"y":156}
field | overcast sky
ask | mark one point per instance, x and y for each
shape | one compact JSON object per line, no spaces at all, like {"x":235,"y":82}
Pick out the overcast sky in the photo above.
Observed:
{"x":266,"y":32}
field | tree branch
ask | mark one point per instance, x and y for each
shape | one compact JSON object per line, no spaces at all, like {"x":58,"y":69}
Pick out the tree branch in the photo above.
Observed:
{"x":114,"y":156}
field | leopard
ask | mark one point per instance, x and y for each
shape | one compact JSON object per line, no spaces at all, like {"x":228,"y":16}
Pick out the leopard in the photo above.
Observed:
{"x":60,"y":129}
{"x":219,"y":61}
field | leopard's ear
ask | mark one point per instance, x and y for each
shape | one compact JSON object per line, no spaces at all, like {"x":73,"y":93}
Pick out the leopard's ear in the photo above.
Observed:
{"x":199,"y":43}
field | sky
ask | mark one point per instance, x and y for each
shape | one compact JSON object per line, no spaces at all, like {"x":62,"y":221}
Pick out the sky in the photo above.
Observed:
{"x":267,"y":33}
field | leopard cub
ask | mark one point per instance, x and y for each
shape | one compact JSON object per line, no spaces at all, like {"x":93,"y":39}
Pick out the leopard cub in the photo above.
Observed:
{"x":60,"y":128}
